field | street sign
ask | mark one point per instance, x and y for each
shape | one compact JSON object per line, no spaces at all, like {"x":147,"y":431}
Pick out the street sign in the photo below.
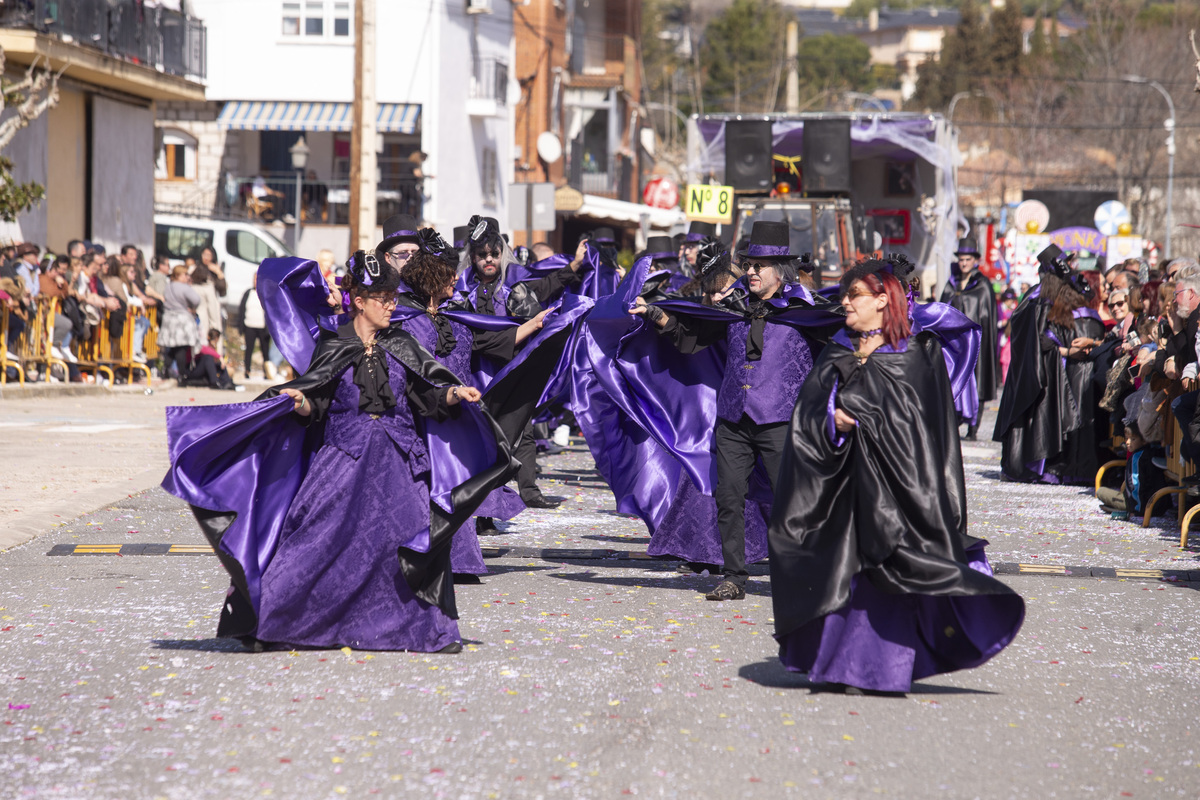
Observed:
{"x":526,"y":212}
{"x":707,"y":203}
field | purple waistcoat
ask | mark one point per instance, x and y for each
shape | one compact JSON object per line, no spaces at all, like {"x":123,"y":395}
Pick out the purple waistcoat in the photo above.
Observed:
{"x":767,"y":389}
{"x":459,"y":361}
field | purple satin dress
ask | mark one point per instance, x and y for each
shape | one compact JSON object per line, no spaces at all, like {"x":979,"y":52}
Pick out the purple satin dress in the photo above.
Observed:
{"x":335,"y":580}
{"x":466,"y":556}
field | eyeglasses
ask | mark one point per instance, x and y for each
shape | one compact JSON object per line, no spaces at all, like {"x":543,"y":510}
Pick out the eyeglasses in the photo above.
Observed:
{"x":1117,"y":304}
{"x":402,"y":255}
{"x":386,"y":302}
{"x":852,"y":295}
{"x":488,"y":254}
{"x":754,"y":266}
{"x":1182,"y":289}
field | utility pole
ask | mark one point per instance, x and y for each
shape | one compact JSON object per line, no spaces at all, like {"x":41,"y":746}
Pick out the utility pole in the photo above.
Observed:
{"x":793,"y":67}
{"x":363,"y":165}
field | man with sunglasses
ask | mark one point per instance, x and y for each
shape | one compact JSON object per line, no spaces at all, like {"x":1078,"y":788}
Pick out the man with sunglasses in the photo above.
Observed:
{"x":766,"y":365}
{"x":969,"y":291}
{"x":482,"y":289}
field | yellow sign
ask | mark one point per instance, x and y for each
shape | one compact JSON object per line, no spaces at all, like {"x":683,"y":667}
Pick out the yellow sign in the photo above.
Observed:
{"x":706,"y":203}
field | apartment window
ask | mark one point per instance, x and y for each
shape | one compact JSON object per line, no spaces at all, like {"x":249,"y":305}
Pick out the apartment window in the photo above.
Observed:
{"x":177,"y":159}
{"x":317,"y":19}
{"x":488,"y":176}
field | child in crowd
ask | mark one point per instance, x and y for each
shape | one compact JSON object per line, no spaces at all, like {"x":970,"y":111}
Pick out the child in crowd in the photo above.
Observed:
{"x":1142,"y":478}
{"x":209,"y":369}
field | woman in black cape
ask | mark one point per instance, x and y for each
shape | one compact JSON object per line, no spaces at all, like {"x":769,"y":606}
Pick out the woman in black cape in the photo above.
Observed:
{"x":874,"y":579}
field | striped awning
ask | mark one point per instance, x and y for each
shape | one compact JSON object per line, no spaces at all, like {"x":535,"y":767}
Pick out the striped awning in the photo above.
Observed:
{"x":267,"y":115}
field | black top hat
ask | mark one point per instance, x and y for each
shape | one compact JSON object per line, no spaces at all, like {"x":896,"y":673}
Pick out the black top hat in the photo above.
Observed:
{"x":460,"y":236}
{"x":967,"y":247}
{"x":604,"y":236}
{"x":399,"y":228}
{"x":768,"y":240}
{"x":479,"y":228}
{"x":660,"y":248}
{"x":698,"y":230}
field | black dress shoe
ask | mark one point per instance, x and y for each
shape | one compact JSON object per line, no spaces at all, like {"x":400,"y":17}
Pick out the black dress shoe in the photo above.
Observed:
{"x":541,"y":501}
{"x":451,"y":649}
{"x":466,"y":579}
{"x":486,"y":526}
{"x":971,"y":436}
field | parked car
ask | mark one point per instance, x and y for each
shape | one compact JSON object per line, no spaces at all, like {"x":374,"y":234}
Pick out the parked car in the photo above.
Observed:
{"x":240,"y":246}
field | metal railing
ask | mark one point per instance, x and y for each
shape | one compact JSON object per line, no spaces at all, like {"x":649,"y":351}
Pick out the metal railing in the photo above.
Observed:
{"x":489,"y":80}
{"x":321,"y":202}
{"x":155,"y":37}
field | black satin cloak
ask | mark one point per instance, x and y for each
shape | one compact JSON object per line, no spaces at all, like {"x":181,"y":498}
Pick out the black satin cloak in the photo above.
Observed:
{"x":977,"y":300}
{"x":888,"y":504}
{"x":1037,"y":410}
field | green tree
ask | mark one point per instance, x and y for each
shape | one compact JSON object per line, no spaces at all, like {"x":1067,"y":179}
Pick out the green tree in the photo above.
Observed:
{"x":742,"y":56}
{"x":1004,"y":43}
{"x":965,"y":62}
{"x":833,"y":64}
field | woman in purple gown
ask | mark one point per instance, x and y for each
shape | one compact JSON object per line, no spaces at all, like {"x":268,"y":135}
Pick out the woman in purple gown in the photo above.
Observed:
{"x":874,"y":579}
{"x":427,"y":282}
{"x":335,"y":579}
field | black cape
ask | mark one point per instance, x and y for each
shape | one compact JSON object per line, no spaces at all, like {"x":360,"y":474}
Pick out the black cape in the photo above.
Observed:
{"x":977,"y":300}
{"x":889,"y":503}
{"x":427,"y":574}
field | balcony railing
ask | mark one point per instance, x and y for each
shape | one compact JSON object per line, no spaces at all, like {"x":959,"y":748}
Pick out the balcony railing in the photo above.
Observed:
{"x":321,"y":202}
{"x":155,"y":37}
{"x":489,"y":80}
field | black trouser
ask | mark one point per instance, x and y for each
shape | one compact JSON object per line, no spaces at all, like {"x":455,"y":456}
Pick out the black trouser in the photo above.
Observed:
{"x":206,"y":372}
{"x":737,"y":447}
{"x":182,"y":357}
{"x":263,"y":339}
{"x":526,"y":453}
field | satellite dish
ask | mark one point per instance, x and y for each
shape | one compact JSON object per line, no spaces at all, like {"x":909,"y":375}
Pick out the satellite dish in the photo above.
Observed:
{"x":1110,"y":216}
{"x":1034,"y":211}
{"x":549,"y":148}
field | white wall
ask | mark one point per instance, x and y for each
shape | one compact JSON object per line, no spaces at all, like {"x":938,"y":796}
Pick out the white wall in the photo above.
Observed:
{"x":423,"y":56}
{"x":122,"y":174}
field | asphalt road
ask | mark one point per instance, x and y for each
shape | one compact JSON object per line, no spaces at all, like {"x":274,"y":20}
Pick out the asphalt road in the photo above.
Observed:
{"x":588,"y":678}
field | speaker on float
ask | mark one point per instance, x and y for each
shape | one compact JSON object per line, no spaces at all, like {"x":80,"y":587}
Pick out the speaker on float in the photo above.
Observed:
{"x":748,"y":164}
{"x":825,"y":158}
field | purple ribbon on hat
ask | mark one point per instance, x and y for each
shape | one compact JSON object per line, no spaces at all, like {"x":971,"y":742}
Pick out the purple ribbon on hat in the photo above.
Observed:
{"x":402,"y":233}
{"x":767,"y":250}
{"x":694,"y":237}
{"x":658,"y":256}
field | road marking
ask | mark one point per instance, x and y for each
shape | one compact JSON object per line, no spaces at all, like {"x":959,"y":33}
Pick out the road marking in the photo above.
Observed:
{"x":562,"y":554}
{"x":1042,"y":569}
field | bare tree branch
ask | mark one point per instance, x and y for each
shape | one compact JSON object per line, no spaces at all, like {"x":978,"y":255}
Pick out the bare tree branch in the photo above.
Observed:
{"x":33,"y":102}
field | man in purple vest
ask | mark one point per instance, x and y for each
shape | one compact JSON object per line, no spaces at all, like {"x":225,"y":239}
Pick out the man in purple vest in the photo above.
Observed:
{"x":764,"y":370}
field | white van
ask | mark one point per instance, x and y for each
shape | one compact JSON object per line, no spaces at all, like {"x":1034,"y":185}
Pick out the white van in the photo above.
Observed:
{"x":240,"y":246}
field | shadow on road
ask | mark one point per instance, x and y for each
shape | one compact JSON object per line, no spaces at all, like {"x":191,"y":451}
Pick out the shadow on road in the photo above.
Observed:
{"x":772,"y":674}
{"x":213,"y":645}
{"x":670,"y":580}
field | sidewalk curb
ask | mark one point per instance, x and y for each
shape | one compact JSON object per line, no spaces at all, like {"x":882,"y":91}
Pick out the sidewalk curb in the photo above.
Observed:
{"x":36,"y":391}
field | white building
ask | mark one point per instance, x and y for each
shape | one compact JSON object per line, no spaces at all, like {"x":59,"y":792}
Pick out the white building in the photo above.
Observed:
{"x":281,"y":70}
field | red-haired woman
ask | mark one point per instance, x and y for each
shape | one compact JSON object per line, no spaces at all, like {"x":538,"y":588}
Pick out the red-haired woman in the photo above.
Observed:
{"x":874,"y":579}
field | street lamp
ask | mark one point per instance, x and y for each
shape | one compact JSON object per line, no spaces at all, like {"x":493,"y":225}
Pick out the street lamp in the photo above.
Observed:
{"x":299,"y":153}
{"x":1170,"y":126}
{"x":975,"y":93}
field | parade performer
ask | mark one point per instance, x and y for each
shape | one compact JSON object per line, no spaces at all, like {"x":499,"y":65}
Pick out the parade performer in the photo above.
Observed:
{"x":970,"y":291}
{"x":764,"y":368}
{"x":427,"y":283}
{"x":1046,"y":412}
{"x":664,"y":257}
{"x":874,"y":580}
{"x":482,"y":289}
{"x":298,"y":491}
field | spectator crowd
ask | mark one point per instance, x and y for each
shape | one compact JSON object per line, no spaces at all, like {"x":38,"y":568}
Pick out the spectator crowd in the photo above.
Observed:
{"x":87,"y":315}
